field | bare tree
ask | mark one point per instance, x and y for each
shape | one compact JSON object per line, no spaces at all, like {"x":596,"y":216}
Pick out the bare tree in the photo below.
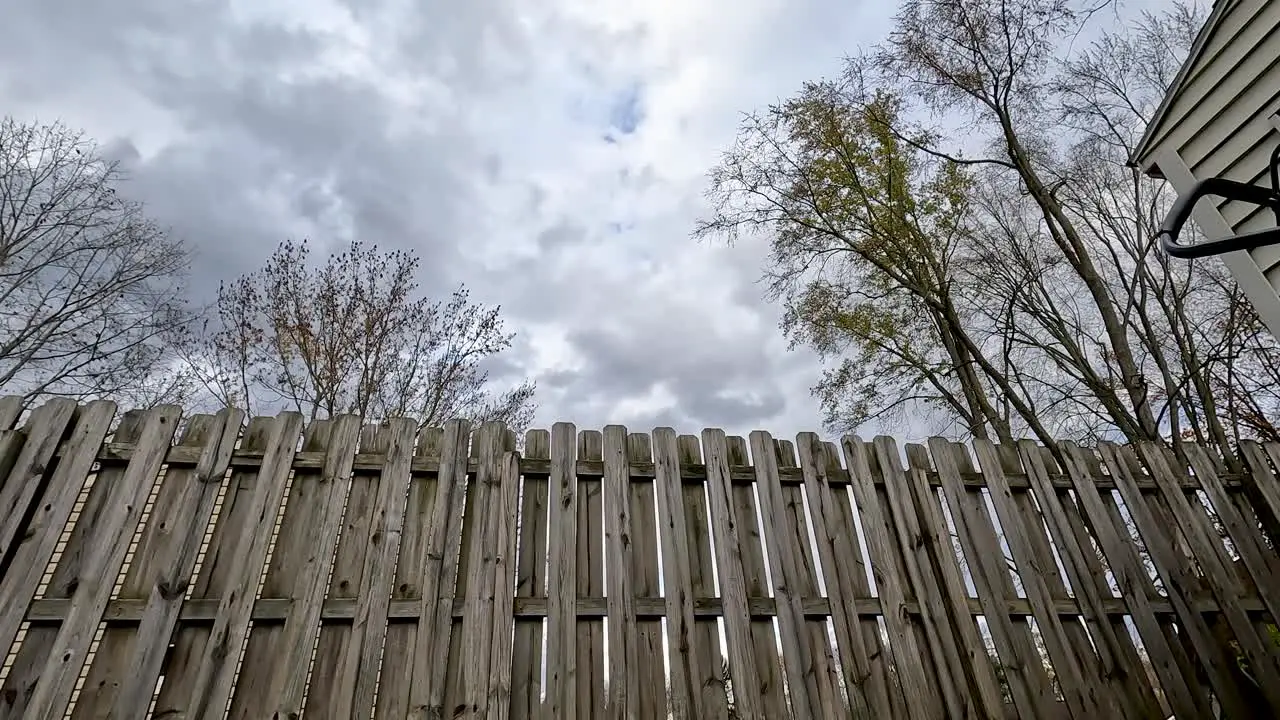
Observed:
{"x":91,"y":290}
{"x":354,"y":336}
{"x":1004,"y":276}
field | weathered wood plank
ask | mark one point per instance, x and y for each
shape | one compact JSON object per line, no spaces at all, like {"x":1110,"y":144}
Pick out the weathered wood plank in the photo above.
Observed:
{"x":531,"y":574}
{"x":1223,"y":580}
{"x":850,"y":553}
{"x":590,"y":575}
{"x":908,"y":656}
{"x":1116,"y":658}
{"x":562,"y":578}
{"x":1081,"y":698}
{"x":106,"y":541}
{"x":686,"y":700}
{"x":725,"y":524}
{"x":1179,"y":580}
{"x":363,"y":653}
{"x":397,"y":654}
{"x":914,"y":543}
{"x":29,"y":533}
{"x":770,"y":681}
{"x":821,"y":674}
{"x":302,"y":512}
{"x":217,"y":664}
{"x":1183,"y":692}
{"x":38,"y":547}
{"x":233,"y":520}
{"x":331,"y":685}
{"x":644,"y":582}
{"x":1262,"y":485}
{"x":707,"y":651}
{"x":786,"y":566}
{"x":692,"y":473}
{"x":1261,"y":562}
{"x":126,"y":666}
{"x":504,"y":586}
{"x":306,"y":562}
{"x":197,"y":612}
{"x":623,"y":696}
{"x":1133,"y":675}
{"x":440,"y":576}
{"x":10,"y":411}
{"x":864,"y":698}
{"x":1095,"y":660}
{"x":11,"y":442}
{"x":974,"y":669}
{"x":478,"y":617}
{"x":981,"y":545}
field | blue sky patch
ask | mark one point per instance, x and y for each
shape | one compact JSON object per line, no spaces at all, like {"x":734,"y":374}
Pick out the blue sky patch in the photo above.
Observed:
{"x":626,"y":111}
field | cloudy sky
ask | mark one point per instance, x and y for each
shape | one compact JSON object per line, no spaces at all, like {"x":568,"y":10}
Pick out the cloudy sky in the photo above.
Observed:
{"x":550,"y":154}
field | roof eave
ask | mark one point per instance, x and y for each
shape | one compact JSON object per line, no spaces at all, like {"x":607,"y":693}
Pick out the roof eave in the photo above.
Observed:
{"x":1143,"y":152}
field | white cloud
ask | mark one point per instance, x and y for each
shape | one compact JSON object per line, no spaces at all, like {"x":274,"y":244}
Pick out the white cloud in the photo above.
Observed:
{"x":475,"y":132}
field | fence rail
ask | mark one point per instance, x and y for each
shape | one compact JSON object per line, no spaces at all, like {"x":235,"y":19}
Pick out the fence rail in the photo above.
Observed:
{"x":277,"y":569}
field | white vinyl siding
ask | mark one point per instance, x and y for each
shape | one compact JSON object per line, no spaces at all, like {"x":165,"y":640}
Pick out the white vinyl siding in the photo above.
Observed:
{"x":1220,"y":120}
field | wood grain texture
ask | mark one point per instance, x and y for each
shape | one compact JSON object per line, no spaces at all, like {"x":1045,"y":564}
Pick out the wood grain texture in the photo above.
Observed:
{"x":37,"y":499}
{"x":562,"y":577}
{"x":436,"y":573}
{"x":725,"y":523}
{"x":622,"y":701}
{"x":233,"y":521}
{"x":652,"y":682}
{"x":129,"y":660}
{"x":590,"y":680}
{"x":708,"y":651}
{"x":440,"y":576}
{"x":531,"y":582}
{"x":396,"y":681}
{"x":68,"y":498}
{"x":105,"y":539}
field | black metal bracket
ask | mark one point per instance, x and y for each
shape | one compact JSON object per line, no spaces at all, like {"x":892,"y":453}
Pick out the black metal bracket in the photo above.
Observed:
{"x":1180,"y":213}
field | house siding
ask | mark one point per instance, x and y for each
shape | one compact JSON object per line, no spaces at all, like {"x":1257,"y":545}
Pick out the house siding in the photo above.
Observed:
{"x":1221,"y":121}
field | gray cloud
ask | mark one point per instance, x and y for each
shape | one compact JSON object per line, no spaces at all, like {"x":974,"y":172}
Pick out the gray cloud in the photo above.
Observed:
{"x":475,"y":134}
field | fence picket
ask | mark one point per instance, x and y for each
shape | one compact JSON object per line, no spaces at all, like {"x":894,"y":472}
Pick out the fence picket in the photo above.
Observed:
{"x":303,"y":514}
{"x":531,"y":574}
{"x":215,"y":675}
{"x":444,"y":581}
{"x":37,"y":548}
{"x":234,"y":521}
{"x":590,"y":666}
{"x":1012,"y":637}
{"x":1179,"y":580}
{"x":29,"y":535}
{"x":498,"y":701}
{"x":799,"y":656}
{"x":725,"y":528}
{"x":711,"y":679}
{"x":1211,"y":557}
{"x":129,"y":660}
{"x":850,"y":553}
{"x":562,"y":578}
{"x":440,"y":576}
{"x":104,"y":542}
{"x":394,"y":688}
{"x":10,"y":411}
{"x":1033,"y":568}
{"x":888,"y":573}
{"x":652,"y":679}
{"x":623,"y":698}
{"x":686,"y":698}
{"x":1117,"y":659}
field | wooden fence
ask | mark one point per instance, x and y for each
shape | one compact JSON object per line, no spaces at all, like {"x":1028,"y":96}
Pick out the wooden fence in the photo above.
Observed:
{"x":341,"y":571}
